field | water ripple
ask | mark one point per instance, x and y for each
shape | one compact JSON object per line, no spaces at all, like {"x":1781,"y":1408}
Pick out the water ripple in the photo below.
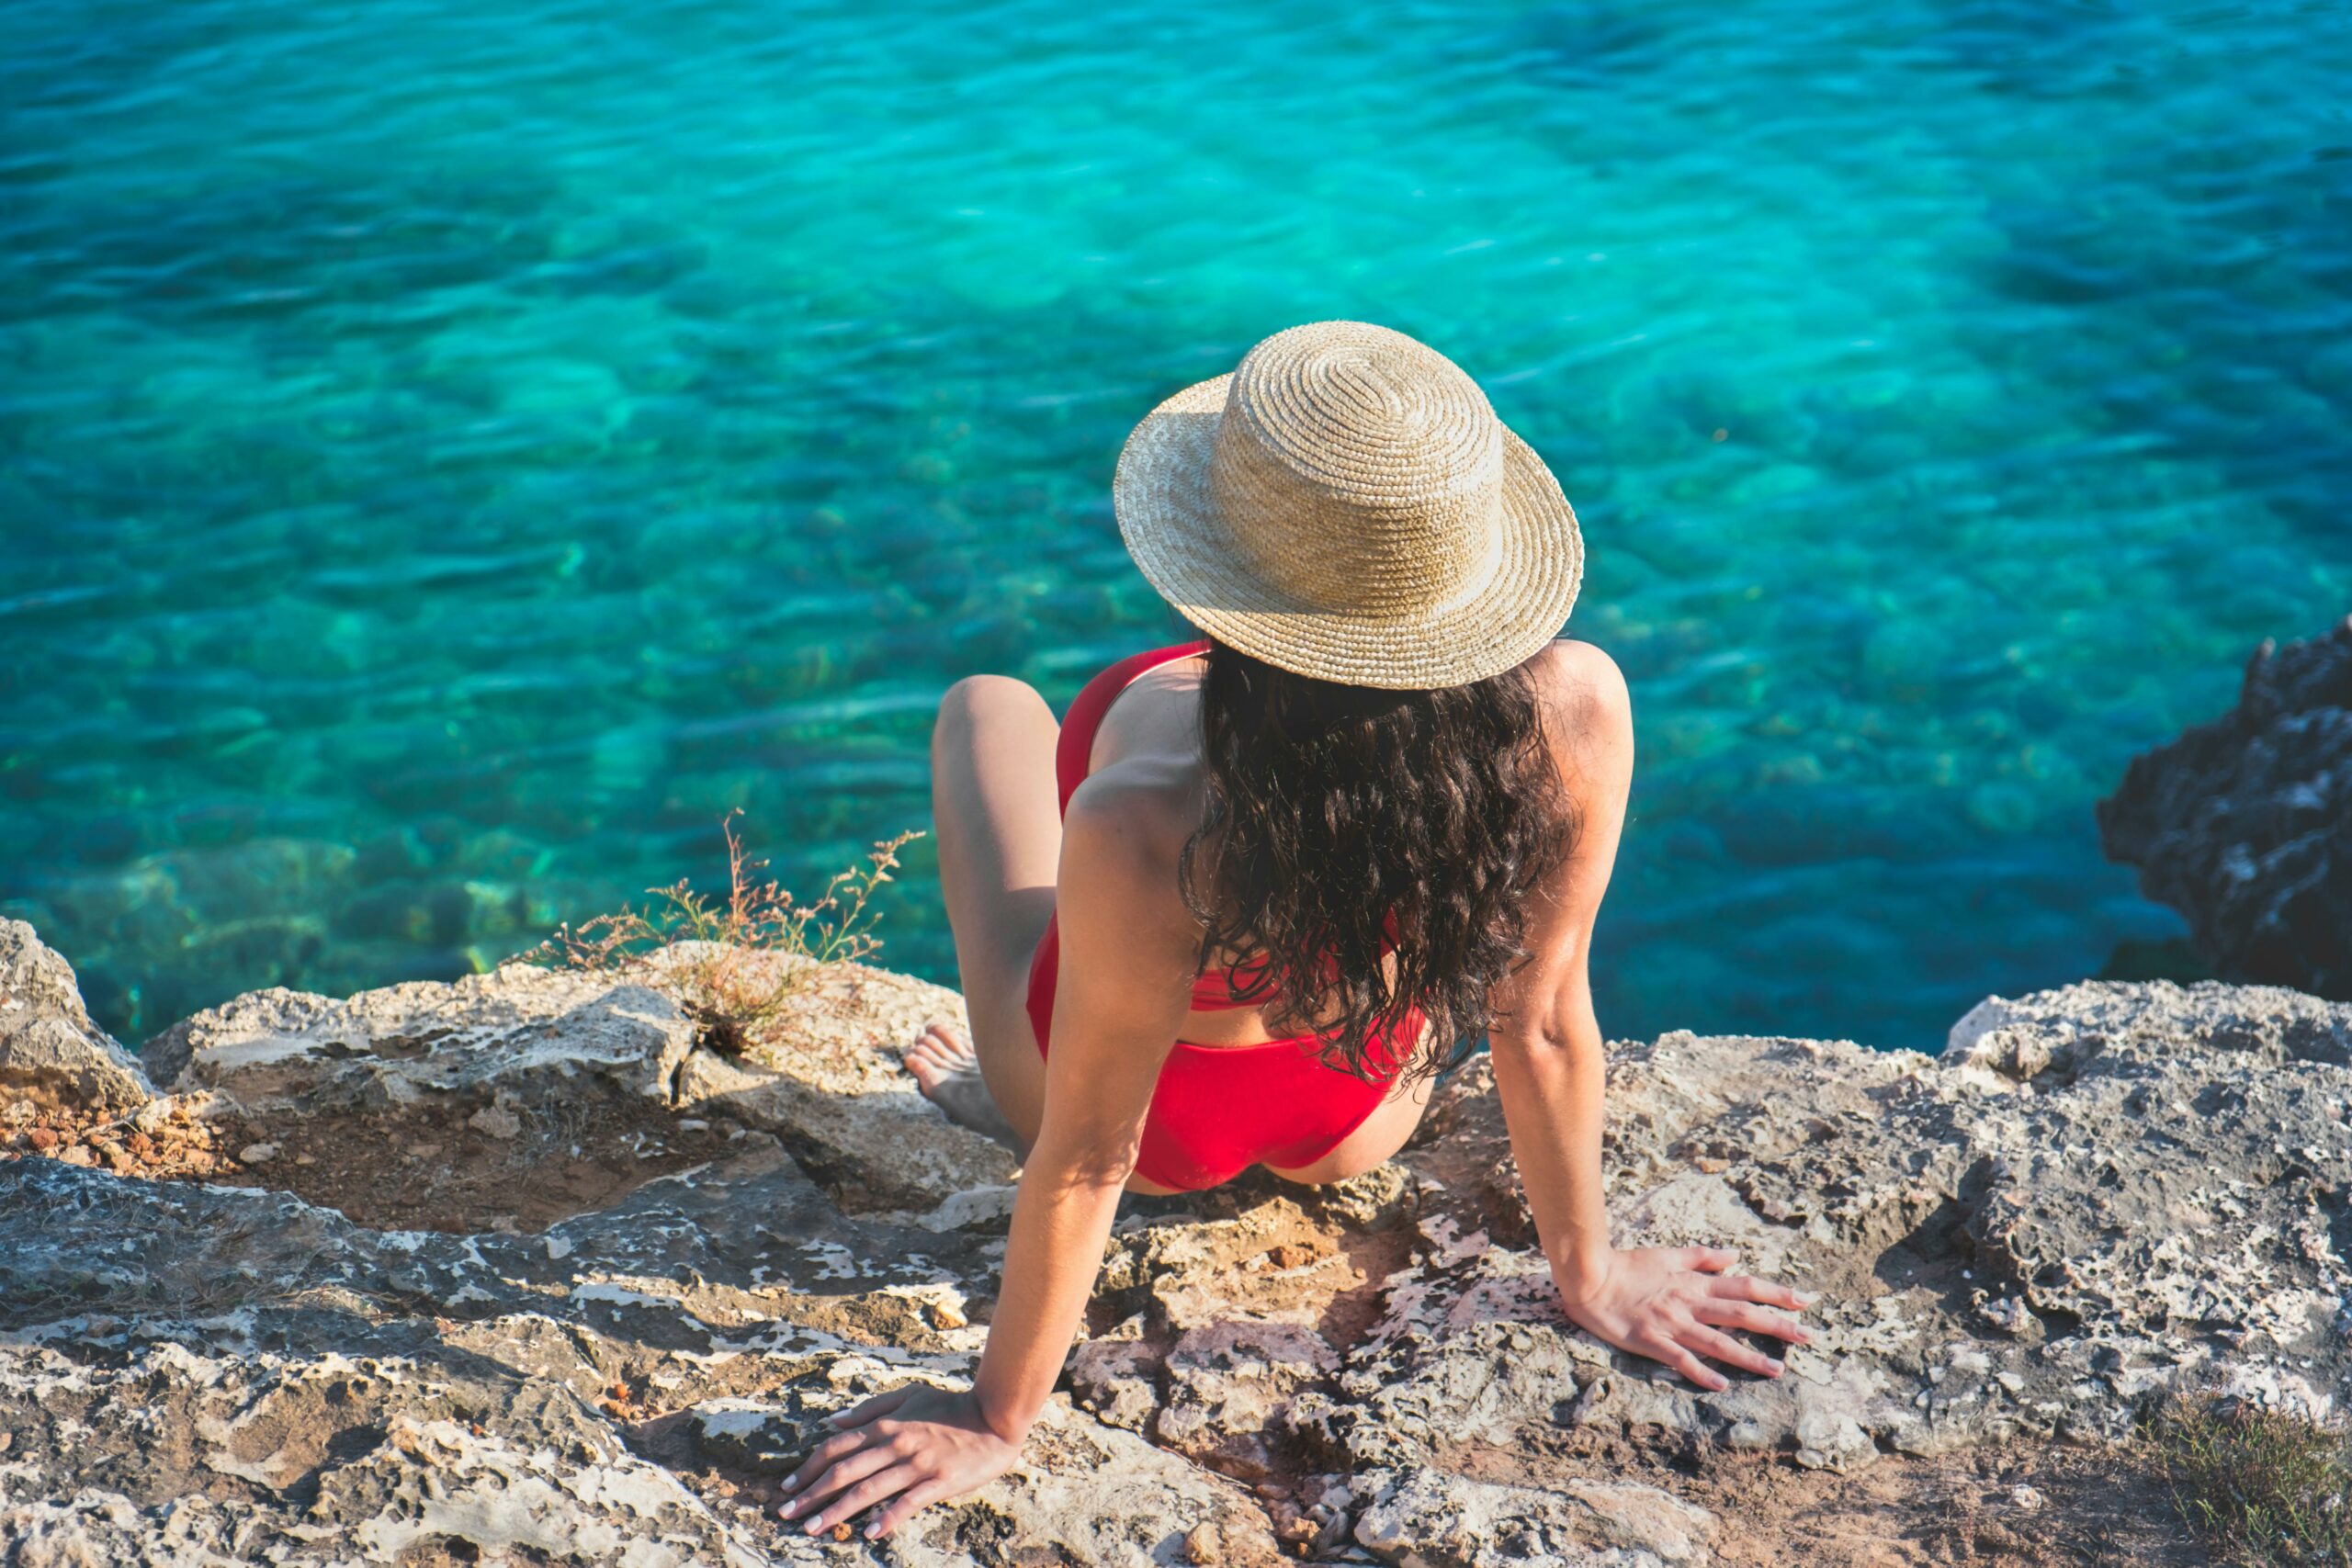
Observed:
{"x":451,"y":456}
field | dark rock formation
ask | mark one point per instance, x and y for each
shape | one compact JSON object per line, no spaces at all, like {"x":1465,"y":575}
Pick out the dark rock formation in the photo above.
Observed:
{"x":2245,"y":825}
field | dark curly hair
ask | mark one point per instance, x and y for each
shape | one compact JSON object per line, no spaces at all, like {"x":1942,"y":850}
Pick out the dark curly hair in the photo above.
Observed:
{"x":1343,"y":821}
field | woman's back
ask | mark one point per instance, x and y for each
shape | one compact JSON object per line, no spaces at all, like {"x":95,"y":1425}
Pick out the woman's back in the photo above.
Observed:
{"x":1142,"y":751}
{"x":1141,"y":736}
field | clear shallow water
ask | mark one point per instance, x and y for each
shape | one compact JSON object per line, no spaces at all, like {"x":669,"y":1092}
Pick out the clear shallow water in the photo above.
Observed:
{"x":449,"y":453}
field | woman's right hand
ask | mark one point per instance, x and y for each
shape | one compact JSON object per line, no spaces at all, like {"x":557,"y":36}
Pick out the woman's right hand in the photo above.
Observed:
{"x":1676,"y":1304}
{"x":896,"y":1452}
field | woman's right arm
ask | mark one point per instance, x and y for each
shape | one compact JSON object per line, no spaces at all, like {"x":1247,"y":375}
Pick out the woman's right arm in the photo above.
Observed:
{"x":1127,"y":952}
{"x":1678,"y":1306}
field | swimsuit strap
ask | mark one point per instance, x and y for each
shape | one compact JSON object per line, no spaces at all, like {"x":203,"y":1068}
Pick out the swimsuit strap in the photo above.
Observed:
{"x":1076,"y":747}
{"x":1211,"y":992}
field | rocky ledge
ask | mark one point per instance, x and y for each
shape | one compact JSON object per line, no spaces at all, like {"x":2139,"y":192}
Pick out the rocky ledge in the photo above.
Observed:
{"x":515,"y":1270}
{"x":2245,"y":825}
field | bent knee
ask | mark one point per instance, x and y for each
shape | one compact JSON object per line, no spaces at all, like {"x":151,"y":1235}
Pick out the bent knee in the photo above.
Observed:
{"x":979,"y":700}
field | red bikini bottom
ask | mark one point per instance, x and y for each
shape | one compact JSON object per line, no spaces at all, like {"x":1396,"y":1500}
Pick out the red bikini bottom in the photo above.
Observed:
{"x":1219,"y":1110}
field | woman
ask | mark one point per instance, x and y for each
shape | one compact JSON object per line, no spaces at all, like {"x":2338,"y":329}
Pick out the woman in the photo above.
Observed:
{"x":1296,"y":870}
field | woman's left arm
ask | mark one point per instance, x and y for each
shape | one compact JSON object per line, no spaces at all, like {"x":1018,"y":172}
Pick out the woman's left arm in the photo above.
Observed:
{"x":1676,"y":1305}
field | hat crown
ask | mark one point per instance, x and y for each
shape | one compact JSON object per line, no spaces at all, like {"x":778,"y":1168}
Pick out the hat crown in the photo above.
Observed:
{"x":1360,"y":470}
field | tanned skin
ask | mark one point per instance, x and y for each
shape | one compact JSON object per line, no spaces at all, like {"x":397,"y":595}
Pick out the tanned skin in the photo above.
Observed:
{"x":1129,"y":951}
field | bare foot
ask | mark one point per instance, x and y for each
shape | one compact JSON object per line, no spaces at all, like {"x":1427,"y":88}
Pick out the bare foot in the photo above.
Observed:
{"x":950,"y":1075}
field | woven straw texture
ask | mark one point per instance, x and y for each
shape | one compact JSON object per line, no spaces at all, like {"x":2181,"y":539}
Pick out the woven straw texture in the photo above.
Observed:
{"x":1346,"y":505}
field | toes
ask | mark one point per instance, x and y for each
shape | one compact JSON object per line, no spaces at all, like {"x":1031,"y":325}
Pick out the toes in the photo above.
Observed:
{"x":937,"y":1056}
{"x":933,"y":1058}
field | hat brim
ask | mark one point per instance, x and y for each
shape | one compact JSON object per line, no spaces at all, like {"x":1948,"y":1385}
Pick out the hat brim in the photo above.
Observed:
{"x":1185,"y":547}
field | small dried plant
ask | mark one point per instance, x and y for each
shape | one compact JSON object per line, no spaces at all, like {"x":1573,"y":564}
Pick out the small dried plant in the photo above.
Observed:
{"x":749,"y":955}
{"x":2261,"y":1488}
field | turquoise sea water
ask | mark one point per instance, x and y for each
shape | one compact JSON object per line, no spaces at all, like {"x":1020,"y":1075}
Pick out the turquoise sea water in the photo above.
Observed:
{"x":451,"y":453}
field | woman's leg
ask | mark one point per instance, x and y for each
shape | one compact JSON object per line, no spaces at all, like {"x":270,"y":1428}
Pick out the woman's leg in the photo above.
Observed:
{"x":997,"y":814}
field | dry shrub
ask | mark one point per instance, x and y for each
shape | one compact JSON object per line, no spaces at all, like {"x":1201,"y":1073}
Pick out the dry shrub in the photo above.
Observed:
{"x":2261,"y":1488}
{"x":735,"y":966}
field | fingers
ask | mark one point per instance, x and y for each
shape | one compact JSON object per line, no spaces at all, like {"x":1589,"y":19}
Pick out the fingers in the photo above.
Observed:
{"x":1705,"y":1259}
{"x":1683,"y":1361}
{"x":873,"y":1489}
{"x":822,"y":1456}
{"x":1729,"y":1351}
{"x":851,"y":1426}
{"x":905,"y":1505}
{"x":1747,"y":1288}
{"x":840,"y":1473}
{"x":1726,"y":1313}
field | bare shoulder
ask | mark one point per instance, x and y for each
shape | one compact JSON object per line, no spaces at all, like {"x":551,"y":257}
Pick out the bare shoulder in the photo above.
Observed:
{"x":1133,"y":815}
{"x":1585,"y":697}
{"x":1117,"y":884}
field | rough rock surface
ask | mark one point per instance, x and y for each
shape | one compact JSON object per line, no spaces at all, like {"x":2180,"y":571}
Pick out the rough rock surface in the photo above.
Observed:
{"x":2245,"y":825}
{"x":2096,"y":1195}
{"x":50,"y":1053}
{"x":290,"y":1051}
{"x":846,"y":1109}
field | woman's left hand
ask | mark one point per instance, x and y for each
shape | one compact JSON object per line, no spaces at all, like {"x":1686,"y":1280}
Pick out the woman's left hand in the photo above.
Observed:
{"x":908,"y":1447}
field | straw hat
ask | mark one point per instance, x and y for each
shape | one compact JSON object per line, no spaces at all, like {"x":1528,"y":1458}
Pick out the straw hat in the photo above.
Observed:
{"x":1346,"y":505}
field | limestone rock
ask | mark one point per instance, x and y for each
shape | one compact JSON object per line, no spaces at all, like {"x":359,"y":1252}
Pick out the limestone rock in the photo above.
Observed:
{"x":2166,"y":1196}
{"x":2154,"y":1205}
{"x":51,"y":1055}
{"x":1084,"y":1493}
{"x":2058,"y":1033}
{"x":523,"y":1032}
{"x":1230,"y":1385}
{"x":1428,"y":1520}
{"x":1116,"y":1380}
{"x":830,"y":1086}
{"x":2245,"y":825}
{"x":2097,"y":1196}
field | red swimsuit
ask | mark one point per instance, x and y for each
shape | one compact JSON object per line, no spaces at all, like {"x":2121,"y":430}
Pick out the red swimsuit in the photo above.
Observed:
{"x":1218,"y":1108}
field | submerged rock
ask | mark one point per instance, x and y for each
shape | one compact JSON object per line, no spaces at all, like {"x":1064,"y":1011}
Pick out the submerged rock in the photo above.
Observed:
{"x":2245,"y":825}
{"x":2097,"y":1197}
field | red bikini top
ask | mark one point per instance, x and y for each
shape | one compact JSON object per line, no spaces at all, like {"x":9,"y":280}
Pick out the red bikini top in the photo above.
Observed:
{"x":1212,"y":991}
